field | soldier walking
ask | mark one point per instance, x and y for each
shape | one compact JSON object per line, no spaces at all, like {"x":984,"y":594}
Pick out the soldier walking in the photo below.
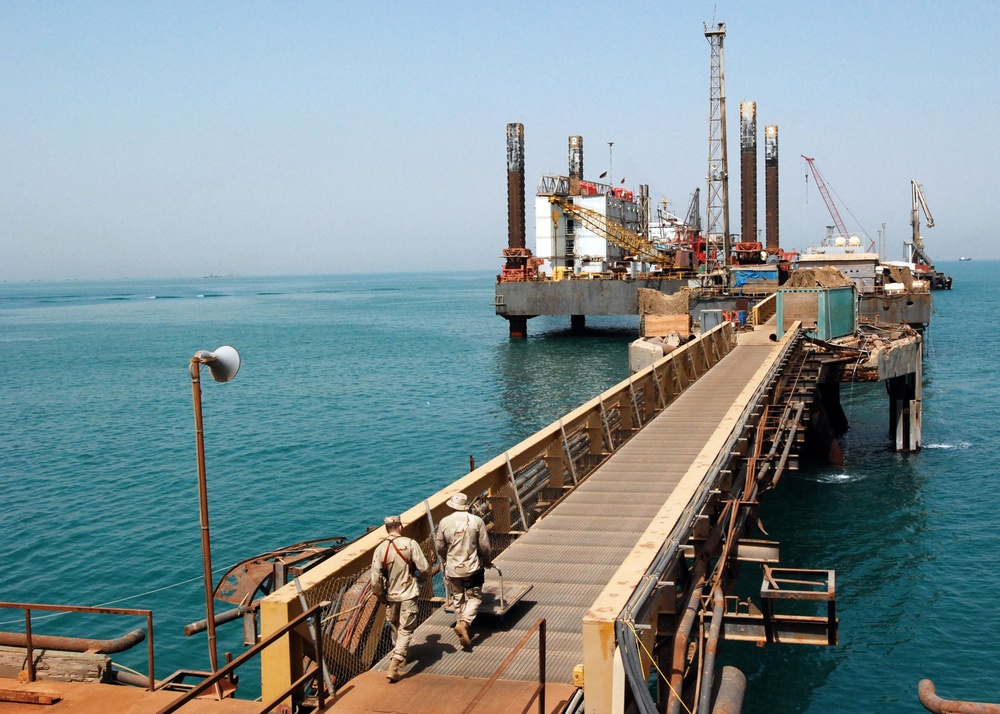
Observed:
{"x":464,"y":546}
{"x":402,"y":560}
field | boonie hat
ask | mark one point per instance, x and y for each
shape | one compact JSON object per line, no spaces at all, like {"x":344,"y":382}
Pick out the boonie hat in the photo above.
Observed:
{"x":459,"y":502}
{"x":393,"y":521}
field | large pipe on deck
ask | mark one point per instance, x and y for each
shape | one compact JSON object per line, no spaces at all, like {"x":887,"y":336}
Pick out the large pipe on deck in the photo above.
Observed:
{"x":73,"y":644}
{"x":771,"y":186}
{"x":748,"y":171}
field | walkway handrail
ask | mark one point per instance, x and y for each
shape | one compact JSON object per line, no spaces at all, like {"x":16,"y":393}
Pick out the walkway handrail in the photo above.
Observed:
{"x":315,"y":673}
{"x":764,"y":310}
{"x":540,"y":626}
{"x":120,"y":644}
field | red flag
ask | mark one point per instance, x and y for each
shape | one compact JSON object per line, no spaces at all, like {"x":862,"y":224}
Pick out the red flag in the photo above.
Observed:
{"x":623,"y":181}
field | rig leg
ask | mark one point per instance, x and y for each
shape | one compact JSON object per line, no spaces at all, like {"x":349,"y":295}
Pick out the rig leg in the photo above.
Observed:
{"x":518,"y":327}
{"x":578,"y":323}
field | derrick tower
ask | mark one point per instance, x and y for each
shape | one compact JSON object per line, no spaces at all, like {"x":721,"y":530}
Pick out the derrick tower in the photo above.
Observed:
{"x":717,"y":229}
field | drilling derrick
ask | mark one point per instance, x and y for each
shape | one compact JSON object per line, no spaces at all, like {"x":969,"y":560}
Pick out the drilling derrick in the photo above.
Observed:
{"x":717,"y":229}
{"x":748,"y":171}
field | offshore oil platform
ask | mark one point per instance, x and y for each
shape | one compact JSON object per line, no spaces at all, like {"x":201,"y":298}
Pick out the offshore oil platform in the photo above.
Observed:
{"x":618,"y":530}
{"x":597,"y":245}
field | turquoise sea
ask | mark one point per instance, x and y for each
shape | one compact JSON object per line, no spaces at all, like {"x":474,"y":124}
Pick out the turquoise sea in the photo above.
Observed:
{"x":360,"y":395}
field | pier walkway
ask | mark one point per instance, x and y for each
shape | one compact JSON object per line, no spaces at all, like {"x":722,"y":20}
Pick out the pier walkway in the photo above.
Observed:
{"x":572,"y":554}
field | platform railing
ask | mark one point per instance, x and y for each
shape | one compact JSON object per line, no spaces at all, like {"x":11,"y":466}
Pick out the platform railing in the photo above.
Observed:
{"x":118,"y":645}
{"x":764,"y":310}
{"x":315,"y":673}
{"x":540,"y":626}
{"x":511,"y":492}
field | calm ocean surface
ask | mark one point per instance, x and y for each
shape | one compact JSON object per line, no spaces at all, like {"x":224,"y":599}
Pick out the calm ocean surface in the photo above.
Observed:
{"x":360,"y":395}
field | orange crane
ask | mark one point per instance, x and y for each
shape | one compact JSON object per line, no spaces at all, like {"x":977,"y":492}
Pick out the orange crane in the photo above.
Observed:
{"x":830,"y":205}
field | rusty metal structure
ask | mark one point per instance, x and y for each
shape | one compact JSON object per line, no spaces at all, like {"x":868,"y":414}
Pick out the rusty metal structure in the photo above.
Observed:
{"x":717,"y":225}
{"x":773,"y":241}
{"x":748,"y":171}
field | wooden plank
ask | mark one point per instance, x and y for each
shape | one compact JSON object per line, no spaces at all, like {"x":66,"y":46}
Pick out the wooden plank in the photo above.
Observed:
{"x":663,"y":325}
{"x":28,"y":696}
{"x":57,"y":665}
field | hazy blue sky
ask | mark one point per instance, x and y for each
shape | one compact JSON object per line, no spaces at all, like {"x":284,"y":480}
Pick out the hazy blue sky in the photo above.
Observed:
{"x":183,"y":139}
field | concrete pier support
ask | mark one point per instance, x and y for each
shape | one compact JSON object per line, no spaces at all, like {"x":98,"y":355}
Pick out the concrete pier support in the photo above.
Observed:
{"x":905,"y":411}
{"x":902,"y":369}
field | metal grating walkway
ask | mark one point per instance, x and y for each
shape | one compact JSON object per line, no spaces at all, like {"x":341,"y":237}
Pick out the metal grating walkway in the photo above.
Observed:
{"x":570,"y":555}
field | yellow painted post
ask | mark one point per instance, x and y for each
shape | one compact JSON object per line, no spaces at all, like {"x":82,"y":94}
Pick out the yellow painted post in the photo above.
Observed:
{"x":281,"y":663}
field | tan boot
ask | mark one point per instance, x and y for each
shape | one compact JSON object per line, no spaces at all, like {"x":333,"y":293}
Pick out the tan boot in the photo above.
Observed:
{"x":394,"y":674}
{"x":462,"y":630}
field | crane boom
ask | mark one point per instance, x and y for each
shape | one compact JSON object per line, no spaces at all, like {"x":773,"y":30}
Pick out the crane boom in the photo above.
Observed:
{"x":614,"y":233}
{"x":917,"y":254}
{"x":830,"y":205}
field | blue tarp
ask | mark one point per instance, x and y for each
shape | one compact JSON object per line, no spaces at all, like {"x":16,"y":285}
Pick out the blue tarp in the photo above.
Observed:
{"x":742,"y":277}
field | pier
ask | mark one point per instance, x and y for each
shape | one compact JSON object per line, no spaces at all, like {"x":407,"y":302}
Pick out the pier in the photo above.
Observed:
{"x":626,"y":517}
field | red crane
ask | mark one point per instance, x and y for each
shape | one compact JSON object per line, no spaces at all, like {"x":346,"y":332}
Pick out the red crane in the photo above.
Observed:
{"x":830,"y":205}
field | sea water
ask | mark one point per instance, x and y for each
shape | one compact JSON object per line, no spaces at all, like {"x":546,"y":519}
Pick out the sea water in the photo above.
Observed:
{"x":359,"y":396}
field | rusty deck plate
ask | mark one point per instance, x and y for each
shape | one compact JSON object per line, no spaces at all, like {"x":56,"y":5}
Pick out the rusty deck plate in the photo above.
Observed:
{"x":372,"y":693}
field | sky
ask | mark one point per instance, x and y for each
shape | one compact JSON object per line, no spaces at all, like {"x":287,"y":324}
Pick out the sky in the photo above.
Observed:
{"x":182,"y":139}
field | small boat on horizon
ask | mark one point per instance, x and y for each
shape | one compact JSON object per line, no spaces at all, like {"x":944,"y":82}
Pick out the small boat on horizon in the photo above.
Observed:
{"x":964,"y":258}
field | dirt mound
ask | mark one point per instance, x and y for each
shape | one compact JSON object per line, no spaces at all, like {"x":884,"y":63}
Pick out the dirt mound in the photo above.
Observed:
{"x":819,"y":277}
{"x":653,"y":302}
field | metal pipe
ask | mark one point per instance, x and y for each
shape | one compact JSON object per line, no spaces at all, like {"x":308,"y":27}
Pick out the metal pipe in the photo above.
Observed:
{"x":680,"y":650}
{"x":712,"y":648}
{"x":130,"y":678}
{"x":932,"y":702}
{"x":220,"y":619}
{"x":206,"y":548}
{"x":29,"y":642}
{"x":72,"y":644}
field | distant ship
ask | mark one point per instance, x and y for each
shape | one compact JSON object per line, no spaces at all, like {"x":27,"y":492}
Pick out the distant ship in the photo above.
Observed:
{"x":964,"y":258}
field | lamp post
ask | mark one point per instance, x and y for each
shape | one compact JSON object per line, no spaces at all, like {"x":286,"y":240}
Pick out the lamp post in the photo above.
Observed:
{"x":223,"y":364}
